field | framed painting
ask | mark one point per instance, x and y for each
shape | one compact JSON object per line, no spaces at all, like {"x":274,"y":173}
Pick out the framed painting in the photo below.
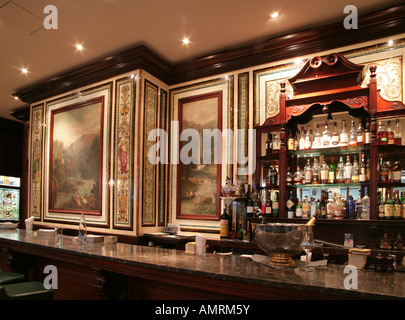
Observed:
{"x":77,"y":166}
{"x":199,"y":172}
{"x":75,"y":158}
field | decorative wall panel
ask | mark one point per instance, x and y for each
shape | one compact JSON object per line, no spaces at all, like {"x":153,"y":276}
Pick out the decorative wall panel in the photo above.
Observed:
{"x":243,"y":124}
{"x":123,"y":153}
{"x":162,"y":173}
{"x":149,"y":169}
{"x":35,"y":199}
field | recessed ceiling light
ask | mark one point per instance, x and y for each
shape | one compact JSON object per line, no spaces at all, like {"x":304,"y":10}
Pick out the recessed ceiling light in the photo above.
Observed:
{"x":79,"y":47}
{"x":24,"y":70}
{"x":186,"y":41}
{"x":274,"y":15}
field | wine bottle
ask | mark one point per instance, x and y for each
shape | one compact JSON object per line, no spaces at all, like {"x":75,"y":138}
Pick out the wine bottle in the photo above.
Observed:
{"x":249,"y":207}
{"x":224,"y":225}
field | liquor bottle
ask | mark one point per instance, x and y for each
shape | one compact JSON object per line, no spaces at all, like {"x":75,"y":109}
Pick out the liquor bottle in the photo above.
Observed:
{"x":313,"y":208}
{"x":344,"y":135}
{"x":384,"y":171}
{"x":350,"y":208}
{"x":380,"y":204}
{"x":224,"y":225}
{"x":240,"y":233}
{"x":298,"y":176}
{"x":256,"y":202}
{"x":263,"y":198}
{"x":289,"y":177}
{"x":403,"y":204}
{"x":340,"y":172}
{"x":291,"y":141}
{"x":290,"y":205}
{"x":360,"y":135}
{"x":276,"y":142}
{"x":381,"y":134}
{"x":317,"y":138}
{"x":269,"y":143}
{"x":273,"y":175}
{"x":367,"y":134}
{"x":359,"y":206}
{"x":308,"y":139}
{"x":268,"y":207}
{"x":268,"y":178}
{"x":308,"y":173}
{"x":82,"y":237}
{"x":399,"y":243}
{"x":363,"y":170}
{"x":297,"y":140}
{"x":355,"y":171}
{"x":397,"y":212}
{"x":388,"y":163}
{"x":330,"y":206}
{"x":335,"y":139}
{"x":388,"y":208}
{"x":302,"y":140}
{"x":324,"y":172}
{"x":332,"y":171}
{"x":365,"y":212}
{"x":305,"y":208}
{"x":298,"y":211}
{"x":232,"y":233}
{"x":352,"y":136}
{"x":390,"y":133}
{"x":338,"y":208}
{"x":323,"y":204}
{"x":315,"y":172}
{"x":397,"y":133}
{"x":325,"y":139}
{"x":368,"y":172}
{"x":396,"y":171}
{"x":385,"y":242}
{"x":275,"y":205}
{"x":348,"y":170}
{"x":249,"y":206}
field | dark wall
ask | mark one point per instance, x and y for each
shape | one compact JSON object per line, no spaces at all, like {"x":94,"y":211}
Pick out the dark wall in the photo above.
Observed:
{"x":11,"y":147}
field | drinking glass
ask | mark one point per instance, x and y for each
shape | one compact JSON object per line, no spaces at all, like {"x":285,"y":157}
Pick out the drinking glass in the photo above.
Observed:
{"x":307,"y":242}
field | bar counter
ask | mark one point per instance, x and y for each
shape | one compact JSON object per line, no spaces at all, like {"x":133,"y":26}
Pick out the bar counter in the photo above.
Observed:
{"x":156,"y":273}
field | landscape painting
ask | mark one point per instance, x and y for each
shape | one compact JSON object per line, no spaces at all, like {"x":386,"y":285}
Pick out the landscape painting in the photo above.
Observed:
{"x":199,"y":181}
{"x":76,"y":158}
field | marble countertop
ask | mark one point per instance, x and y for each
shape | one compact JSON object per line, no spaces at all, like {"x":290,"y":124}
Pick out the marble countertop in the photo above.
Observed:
{"x":327,"y":279}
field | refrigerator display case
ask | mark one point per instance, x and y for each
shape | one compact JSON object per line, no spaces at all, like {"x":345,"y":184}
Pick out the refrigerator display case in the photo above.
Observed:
{"x":10,"y":192}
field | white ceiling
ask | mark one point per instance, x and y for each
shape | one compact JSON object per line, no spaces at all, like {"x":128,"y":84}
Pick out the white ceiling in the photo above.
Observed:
{"x":109,"y":26}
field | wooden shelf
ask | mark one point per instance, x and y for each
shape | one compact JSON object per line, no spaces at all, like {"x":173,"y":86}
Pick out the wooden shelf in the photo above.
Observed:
{"x":329,"y":185}
{"x":328,"y":151}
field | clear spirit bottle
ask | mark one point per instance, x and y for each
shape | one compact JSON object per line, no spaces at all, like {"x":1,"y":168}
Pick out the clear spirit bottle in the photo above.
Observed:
{"x":353,"y":136}
{"x":326,"y":136}
{"x":360,"y":135}
{"x":344,"y":135}
{"x":348,"y":170}
{"x":397,"y":133}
